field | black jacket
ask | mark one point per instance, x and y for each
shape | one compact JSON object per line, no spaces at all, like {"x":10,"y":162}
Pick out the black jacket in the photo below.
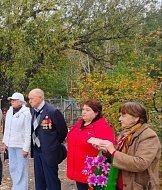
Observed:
{"x":52,"y":136}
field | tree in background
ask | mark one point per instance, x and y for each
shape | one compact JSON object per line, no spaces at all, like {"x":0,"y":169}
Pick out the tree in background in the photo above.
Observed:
{"x":37,"y":38}
{"x":112,"y":89}
{"x":30,"y":47}
{"x":136,"y":74}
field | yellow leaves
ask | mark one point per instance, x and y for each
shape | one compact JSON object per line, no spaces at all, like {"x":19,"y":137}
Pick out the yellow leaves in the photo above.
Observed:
{"x":152,"y":66}
{"x":160,"y":77}
{"x":144,"y":69}
{"x":84,"y":96}
{"x":113,"y":89}
{"x":159,"y":58}
{"x":158,"y":33}
{"x":152,"y":89}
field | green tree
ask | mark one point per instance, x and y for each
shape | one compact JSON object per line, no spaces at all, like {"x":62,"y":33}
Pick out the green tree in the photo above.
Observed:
{"x":31,"y":39}
{"x":37,"y":39}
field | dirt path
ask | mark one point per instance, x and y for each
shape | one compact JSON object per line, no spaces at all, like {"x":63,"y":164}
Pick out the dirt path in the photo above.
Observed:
{"x":6,"y":180}
{"x":66,"y":183}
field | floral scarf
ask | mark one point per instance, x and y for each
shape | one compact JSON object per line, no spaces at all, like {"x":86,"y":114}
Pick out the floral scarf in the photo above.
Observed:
{"x":125,"y":138}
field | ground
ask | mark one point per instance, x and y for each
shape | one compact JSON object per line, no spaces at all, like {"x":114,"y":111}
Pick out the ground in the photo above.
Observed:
{"x":66,"y":183}
{"x":6,"y":180}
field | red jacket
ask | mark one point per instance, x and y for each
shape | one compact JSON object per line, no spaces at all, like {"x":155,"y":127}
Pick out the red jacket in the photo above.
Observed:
{"x":78,"y":148}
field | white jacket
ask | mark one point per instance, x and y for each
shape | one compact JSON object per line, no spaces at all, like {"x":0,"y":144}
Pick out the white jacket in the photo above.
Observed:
{"x":17,"y":131}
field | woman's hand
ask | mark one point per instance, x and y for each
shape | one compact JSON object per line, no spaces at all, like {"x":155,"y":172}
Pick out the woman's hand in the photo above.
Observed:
{"x":105,"y":146}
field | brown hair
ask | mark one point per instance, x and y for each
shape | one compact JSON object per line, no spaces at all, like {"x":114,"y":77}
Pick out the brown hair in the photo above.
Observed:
{"x":95,"y":105}
{"x":135,"y":109}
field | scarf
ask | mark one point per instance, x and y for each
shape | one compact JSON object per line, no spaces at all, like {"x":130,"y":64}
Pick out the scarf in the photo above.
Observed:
{"x":125,"y":138}
{"x":15,"y":110}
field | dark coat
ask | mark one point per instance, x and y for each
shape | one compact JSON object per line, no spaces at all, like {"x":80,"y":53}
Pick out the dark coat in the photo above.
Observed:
{"x":51,"y":137}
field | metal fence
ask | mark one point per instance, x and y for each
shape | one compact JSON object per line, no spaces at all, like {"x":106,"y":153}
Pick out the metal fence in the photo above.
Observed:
{"x":69,"y":108}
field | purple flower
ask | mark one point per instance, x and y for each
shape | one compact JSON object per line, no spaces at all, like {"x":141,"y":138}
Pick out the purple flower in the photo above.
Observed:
{"x":89,"y":160}
{"x":87,"y":170}
{"x":95,"y":163}
{"x":97,"y":171}
{"x":106,"y":168}
{"x":101,"y":180}
{"x":92,"y":179}
{"x":99,"y":160}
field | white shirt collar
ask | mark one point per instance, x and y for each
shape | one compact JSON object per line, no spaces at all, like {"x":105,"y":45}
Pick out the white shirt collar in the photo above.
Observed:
{"x":40,"y":106}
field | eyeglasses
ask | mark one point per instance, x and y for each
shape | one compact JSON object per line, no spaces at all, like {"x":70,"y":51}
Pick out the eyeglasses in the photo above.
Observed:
{"x":13,"y":100}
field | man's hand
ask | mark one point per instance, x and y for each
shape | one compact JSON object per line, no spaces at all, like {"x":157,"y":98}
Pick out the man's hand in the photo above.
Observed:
{"x":4,"y":147}
{"x":25,"y":154}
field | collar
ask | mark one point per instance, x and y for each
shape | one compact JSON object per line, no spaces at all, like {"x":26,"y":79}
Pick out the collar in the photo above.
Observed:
{"x":15,"y":110}
{"x":143,"y":127}
{"x":138,"y":132}
{"x":95,"y":119}
{"x":40,"y":106}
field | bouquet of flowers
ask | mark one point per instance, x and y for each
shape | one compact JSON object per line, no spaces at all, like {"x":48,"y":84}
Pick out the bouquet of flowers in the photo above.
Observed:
{"x":101,"y":174}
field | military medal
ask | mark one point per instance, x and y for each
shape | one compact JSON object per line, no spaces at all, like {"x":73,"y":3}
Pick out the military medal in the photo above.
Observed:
{"x":46,"y":123}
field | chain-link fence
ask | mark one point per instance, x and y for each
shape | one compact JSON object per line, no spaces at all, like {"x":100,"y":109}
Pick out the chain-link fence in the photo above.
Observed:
{"x":69,"y":108}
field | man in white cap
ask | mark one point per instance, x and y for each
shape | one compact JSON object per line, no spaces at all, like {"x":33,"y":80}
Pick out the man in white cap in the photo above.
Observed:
{"x":17,"y":139}
{"x":16,"y":96}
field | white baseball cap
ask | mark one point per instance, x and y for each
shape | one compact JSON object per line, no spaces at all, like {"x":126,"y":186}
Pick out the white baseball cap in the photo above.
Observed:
{"x":16,"y":96}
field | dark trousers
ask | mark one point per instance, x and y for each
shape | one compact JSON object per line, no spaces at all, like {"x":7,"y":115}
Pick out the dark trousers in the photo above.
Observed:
{"x":46,"y":177}
{"x":81,"y":186}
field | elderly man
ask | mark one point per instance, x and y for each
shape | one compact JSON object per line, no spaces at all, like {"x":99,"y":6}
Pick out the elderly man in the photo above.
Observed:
{"x":49,"y":130}
{"x":17,"y":139}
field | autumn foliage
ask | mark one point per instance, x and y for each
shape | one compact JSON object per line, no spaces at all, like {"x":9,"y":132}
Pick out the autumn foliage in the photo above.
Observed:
{"x":112,"y":89}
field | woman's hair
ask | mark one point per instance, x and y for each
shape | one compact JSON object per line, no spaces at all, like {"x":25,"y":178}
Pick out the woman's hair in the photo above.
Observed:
{"x":135,"y":109}
{"x":94,"y":105}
